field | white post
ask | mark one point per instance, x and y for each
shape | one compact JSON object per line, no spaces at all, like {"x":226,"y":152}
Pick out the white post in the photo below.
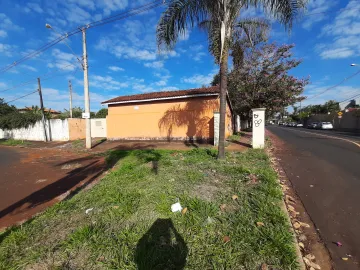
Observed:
{"x":238,"y":126}
{"x":86,"y":92}
{"x":216,"y":128}
{"x":258,"y":128}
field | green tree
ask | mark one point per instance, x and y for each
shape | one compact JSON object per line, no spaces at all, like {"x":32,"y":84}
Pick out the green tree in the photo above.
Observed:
{"x":216,"y":80}
{"x":263,"y":80}
{"x":5,"y":108}
{"x":102,"y":113}
{"x":332,"y":106}
{"x":220,"y":18}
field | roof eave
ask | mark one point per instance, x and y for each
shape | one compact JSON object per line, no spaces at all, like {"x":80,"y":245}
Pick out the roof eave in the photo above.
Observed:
{"x":159,"y":99}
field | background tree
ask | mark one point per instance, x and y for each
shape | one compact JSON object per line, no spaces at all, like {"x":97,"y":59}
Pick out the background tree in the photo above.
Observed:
{"x":5,"y":108}
{"x":219,"y":18}
{"x":263,"y":80}
{"x":216,"y":80}
{"x":102,"y":113}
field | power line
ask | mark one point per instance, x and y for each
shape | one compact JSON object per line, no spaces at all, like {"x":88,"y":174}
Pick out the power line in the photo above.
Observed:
{"x":120,"y":16}
{"x":358,"y":95}
{"x":33,"y":80}
{"x":21,"y":97}
{"x":336,"y":85}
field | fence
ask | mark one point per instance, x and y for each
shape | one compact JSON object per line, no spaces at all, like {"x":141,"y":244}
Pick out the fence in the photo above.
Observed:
{"x":56,"y":130}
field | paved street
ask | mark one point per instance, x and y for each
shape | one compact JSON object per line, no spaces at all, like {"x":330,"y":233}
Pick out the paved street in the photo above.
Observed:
{"x":325,"y":173}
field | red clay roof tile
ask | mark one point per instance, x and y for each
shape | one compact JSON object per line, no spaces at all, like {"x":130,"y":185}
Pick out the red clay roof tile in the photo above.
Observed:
{"x":166,"y":94}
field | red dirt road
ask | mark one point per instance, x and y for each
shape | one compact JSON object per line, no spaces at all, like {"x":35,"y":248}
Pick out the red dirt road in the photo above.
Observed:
{"x":33,"y":179}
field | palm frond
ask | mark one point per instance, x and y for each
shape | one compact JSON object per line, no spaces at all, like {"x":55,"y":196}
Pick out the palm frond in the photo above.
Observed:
{"x":179,"y":16}
{"x":285,"y":11}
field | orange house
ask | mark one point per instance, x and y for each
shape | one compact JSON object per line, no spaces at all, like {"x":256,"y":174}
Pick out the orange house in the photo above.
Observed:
{"x":172,"y":115}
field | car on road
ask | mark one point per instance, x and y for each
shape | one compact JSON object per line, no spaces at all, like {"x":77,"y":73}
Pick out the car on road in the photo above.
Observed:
{"x":299,"y":125}
{"x":325,"y":125}
{"x":312,"y":125}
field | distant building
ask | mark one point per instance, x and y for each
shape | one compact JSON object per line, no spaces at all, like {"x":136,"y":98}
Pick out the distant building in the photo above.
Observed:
{"x":350,"y":104}
{"x":27,"y":109}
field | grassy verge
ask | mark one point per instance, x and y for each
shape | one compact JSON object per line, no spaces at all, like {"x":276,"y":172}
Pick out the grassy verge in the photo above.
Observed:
{"x":13,"y":142}
{"x":131,"y":226}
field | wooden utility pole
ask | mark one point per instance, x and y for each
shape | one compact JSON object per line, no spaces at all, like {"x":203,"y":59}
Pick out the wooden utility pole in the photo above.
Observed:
{"x":70,"y":92}
{"x":42,"y":110}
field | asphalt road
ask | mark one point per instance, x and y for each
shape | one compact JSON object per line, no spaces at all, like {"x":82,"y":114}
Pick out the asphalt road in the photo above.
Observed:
{"x":325,"y":173}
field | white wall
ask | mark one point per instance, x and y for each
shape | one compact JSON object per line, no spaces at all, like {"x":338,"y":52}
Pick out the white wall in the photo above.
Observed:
{"x":57,"y":130}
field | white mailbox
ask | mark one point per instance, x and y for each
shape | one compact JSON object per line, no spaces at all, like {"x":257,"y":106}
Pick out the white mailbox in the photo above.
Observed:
{"x":258,"y":128}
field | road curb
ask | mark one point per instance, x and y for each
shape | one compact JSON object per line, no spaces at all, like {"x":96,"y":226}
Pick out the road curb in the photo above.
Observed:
{"x":284,"y":208}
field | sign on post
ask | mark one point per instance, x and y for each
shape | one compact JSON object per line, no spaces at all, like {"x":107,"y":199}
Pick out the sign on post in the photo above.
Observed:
{"x":85,"y":115}
{"x":340,"y":113}
{"x":258,"y":128}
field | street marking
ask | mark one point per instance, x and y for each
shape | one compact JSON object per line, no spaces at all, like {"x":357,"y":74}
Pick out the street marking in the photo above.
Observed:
{"x":332,"y":137}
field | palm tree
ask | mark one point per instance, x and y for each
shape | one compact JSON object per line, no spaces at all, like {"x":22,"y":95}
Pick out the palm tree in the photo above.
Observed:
{"x":221,"y":20}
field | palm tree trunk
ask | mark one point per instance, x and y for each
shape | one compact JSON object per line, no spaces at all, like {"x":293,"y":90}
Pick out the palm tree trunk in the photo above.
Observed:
{"x":223,"y":91}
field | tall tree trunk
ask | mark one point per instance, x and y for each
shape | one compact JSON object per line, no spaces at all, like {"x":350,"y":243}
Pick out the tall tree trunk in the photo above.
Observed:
{"x":223,"y":91}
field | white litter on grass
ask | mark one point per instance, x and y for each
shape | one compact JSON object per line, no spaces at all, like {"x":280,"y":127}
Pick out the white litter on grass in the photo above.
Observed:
{"x":176,"y":207}
{"x":88,"y":210}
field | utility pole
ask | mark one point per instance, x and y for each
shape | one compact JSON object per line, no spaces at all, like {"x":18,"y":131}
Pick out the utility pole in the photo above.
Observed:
{"x":70,"y":92}
{"x":42,"y":110}
{"x":86,"y":92}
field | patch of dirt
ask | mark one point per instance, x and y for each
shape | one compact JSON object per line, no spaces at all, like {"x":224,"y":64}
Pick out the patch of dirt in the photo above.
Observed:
{"x":308,"y":239}
{"x":206,"y":192}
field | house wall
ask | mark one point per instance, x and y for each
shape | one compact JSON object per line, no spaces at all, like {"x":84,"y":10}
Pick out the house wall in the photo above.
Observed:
{"x":171,"y":119}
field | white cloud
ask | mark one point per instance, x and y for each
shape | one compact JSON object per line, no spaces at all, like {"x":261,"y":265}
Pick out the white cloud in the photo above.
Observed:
{"x":106,"y":83}
{"x":7,"y":24}
{"x":78,"y":15}
{"x":198,"y":56}
{"x":89,"y":4}
{"x":155,"y":64}
{"x":320,"y":7}
{"x":2,"y":85}
{"x":115,"y":68}
{"x":3,"y":33}
{"x":200,"y":79}
{"x":161,"y":83}
{"x":337,"y":53}
{"x":345,"y":34}
{"x":112,"y":5}
{"x":29,"y":67}
{"x":33,"y":7}
{"x":64,"y":61}
{"x":196,"y":47}
{"x":6,"y":49}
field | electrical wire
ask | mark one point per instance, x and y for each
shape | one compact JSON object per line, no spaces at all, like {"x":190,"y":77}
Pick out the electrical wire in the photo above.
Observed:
{"x":33,"y":80}
{"x":21,"y":97}
{"x":120,"y":16}
{"x":358,"y":95}
{"x":334,"y":86}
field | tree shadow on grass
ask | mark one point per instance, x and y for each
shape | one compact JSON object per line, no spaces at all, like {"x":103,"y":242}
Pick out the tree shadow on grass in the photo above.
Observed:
{"x":241,"y":143}
{"x":161,"y":247}
{"x":74,"y":181}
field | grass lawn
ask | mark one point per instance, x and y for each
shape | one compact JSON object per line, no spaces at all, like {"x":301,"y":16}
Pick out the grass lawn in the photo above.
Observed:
{"x":13,"y":142}
{"x":131,"y":225}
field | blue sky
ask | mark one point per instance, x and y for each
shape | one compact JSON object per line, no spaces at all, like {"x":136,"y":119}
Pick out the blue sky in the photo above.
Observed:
{"x":123,"y":57}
